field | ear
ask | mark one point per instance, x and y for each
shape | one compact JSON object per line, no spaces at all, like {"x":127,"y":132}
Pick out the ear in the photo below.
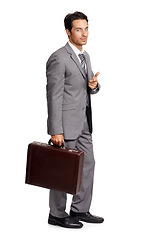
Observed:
{"x":68,"y":32}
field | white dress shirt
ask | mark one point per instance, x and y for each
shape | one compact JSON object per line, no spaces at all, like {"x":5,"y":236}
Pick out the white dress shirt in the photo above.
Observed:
{"x":76,"y":51}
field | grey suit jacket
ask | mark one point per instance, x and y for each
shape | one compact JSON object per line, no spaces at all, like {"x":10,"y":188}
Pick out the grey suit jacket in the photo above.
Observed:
{"x":66,"y":92}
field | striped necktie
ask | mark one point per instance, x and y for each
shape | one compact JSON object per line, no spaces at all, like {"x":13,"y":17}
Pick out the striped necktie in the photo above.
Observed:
{"x":83,"y":65}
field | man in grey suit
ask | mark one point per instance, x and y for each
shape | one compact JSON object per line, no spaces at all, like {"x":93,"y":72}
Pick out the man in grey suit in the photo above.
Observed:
{"x":70,"y":81}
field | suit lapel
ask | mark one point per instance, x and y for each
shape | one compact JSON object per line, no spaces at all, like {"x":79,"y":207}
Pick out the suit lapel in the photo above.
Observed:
{"x":87,"y":64}
{"x":74,"y":58}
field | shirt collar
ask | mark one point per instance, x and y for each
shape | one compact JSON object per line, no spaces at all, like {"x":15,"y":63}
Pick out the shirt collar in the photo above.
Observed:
{"x":75,"y":49}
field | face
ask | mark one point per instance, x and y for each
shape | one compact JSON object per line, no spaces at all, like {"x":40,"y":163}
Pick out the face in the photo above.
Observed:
{"x":79,"y":33}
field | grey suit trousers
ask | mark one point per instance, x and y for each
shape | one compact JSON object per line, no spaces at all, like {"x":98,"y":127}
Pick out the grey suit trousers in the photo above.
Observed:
{"x":82,"y":201}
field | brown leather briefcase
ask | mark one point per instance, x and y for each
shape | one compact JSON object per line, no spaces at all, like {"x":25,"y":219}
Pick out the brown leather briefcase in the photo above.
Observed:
{"x":54,"y":168}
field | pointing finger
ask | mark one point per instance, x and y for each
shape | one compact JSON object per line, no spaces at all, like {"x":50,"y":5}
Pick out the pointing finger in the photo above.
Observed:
{"x":96,"y":74}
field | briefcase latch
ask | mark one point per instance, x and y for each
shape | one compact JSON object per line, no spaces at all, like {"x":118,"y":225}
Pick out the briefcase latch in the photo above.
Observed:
{"x":72,"y":150}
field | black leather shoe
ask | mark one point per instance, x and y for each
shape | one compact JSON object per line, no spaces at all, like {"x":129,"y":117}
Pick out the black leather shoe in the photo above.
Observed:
{"x":86,"y":217}
{"x":67,"y":222}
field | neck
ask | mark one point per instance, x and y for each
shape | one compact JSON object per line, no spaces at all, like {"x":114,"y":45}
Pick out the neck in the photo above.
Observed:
{"x":79,"y":47}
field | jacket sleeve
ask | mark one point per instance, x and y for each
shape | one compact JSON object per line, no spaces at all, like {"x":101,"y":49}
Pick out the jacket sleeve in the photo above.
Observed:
{"x":55,"y":72}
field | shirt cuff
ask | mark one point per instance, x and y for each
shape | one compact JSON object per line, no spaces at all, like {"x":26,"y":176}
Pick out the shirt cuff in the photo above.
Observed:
{"x":93,"y":91}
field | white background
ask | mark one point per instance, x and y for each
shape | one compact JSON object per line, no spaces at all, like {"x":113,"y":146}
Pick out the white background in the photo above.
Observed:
{"x":30,"y":31}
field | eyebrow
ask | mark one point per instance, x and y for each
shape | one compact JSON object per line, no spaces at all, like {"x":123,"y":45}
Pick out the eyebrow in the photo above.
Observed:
{"x":81,"y":28}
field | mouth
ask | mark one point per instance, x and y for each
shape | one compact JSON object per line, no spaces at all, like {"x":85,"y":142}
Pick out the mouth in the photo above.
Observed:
{"x":83,"y":39}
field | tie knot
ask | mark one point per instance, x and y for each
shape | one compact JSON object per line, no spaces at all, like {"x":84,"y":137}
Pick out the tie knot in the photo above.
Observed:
{"x":82,"y":57}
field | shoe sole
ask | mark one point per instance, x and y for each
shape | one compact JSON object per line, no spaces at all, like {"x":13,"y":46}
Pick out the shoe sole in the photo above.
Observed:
{"x":52,"y":222}
{"x":83,"y":220}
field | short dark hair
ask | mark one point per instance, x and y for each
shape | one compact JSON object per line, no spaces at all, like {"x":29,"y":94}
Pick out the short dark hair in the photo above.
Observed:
{"x":69,"y":18}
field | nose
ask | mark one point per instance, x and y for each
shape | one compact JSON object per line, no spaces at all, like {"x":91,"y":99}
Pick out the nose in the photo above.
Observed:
{"x":85,"y":33}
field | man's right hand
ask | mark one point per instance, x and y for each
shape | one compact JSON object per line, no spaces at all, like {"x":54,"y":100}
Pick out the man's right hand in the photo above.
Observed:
{"x":57,"y":139}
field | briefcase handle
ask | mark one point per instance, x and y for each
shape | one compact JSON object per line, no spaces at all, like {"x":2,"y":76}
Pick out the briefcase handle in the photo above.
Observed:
{"x":49,"y":143}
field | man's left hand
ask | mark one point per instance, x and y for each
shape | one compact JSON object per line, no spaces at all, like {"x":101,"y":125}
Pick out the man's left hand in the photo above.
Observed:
{"x":94,"y":81}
